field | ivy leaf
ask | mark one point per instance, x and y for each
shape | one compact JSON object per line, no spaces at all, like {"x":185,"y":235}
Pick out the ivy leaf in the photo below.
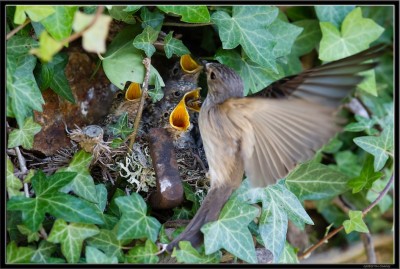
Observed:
{"x":49,"y":200}
{"x":284,"y":35}
{"x":134,"y":223}
{"x":101,"y":192}
{"x":123,"y":62}
{"x":59,"y":24}
{"x":313,"y":181}
{"x":132,"y":8}
{"x":181,"y":213}
{"x":15,"y":254}
{"x":83,"y":184}
{"x":35,"y":13}
{"x":188,"y":254}
{"x":143,"y":253}
{"x":145,"y":40}
{"x":255,"y":76}
{"x":95,"y":256}
{"x":333,"y":145}
{"x":347,"y":162}
{"x":309,"y":37}
{"x":355,"y":223}
{"x":94,"y":39}
{"x":355,"y":35}
{"x":113,"y":208}
{"x":156,"y":94}
{"x":122,"y":13}
{"x":107,"y":241}
{"x":71,"y":237}
{"x":121,"y":127}
{"x":379,"y":146}
{"x":43,"y":252}
{"x":14,"y":184}
{"x":193,"y":14}
{"x":366,"y":178}
{"x":22,"y":88}
{"x":279,"y":204}
{"x":47,"y":47}
{"x":230,"y":231}
{"x":333,"y":14}
{"x":174,"y":46}
{"x":248,"y":27}
{"x":373,"y":193}
{"x":191,"y":196}
{"x":152,"y":19}
{"x":59,"y":82}
{"x":32,"y":236}
{"x":362,"y":124}
{"x":24,"y":136}
{"x":289,"y":255}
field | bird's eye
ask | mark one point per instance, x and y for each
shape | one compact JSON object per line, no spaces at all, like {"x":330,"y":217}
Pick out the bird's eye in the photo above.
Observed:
{"x":177,"y":93}
{"x":175,"y":71}
{"x":213,"y":76}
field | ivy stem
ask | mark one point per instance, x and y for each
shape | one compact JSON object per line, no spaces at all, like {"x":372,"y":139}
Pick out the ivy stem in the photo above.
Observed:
{"x":307,"y":253}
{"x":76,"y":35}
{"x":132,"y":136}
{"x":14,"y":31}
{"x":187,"y":24}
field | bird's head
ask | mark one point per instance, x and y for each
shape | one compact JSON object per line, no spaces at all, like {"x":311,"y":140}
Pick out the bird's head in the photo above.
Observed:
{"x":223,"y":82}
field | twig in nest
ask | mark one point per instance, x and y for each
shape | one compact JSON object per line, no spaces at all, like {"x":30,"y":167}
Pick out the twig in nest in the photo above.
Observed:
{"x":364,"y":212}
{"x":132,"y":136}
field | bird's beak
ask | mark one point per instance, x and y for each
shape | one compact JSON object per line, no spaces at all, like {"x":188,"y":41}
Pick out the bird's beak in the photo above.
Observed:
{"x":133,"y":92}
{"x":189,"y":66}
{"x":179,"y":118}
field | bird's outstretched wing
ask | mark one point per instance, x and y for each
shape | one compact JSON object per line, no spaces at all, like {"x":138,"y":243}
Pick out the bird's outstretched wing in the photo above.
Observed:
{"x":328,"y":83}
{"x":282,"y":134}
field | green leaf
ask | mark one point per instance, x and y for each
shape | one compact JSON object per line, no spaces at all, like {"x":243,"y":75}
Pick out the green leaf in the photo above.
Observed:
{"x":134,"y":223}
{"x":181,"y":213}
{"x":355,"y":223}
{"x":101,"y":192}
{"x":24,"y":136}
{"x":43,"y":252}
{"x":35,"y":13}
{"x":145,"y":40}
{"x":193,"y":14}
{"x":123,"y":62}
{"x":289,"y":255}
{"x":230,"y":231}
{"x":107,"y":241}
{"x":22,"y":88}
{"x":248,"y":27}
{"x":309,"y":37}
{"x":71,"y":237}
{"x":174,"y":46}
{"x":379,"y":146}
{"x":333,"y":145}
{"x":59,"y":82}
{"x":255,"y":76}
{"x":120,"y":128}
{"x":386,"y":201}
{"x":285,"y":35}
{"x":347,"y":163}
{"x":59,"y":24}
{"x":156,"y":94}
{"x":188,"y":254}
{"x":366,"y":178}
{"x":143,"y":253}
{"x":313,"y":181}
{"x":356,"y":34}
{"x":333,"y":14}
{"x":15,"y":254}
{"x":94,"y":39}
{"x":83,"y":184}
{"x":31,"y":235}
{"x":95,"y":256}
{"x":14,"y":184}
{"x":122,"y":13}
{"x":47,"y":47}
{"x":132,"y":8}
{"x":152,"y":19}
{"x":113,"y":208}
{"x":362,"y":124}
{"x":49,"y":200}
